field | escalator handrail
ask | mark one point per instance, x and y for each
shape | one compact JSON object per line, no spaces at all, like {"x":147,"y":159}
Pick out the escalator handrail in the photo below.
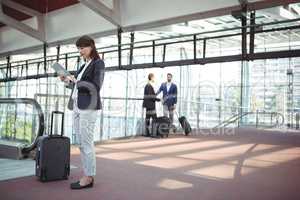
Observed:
{"x":239,"y":116}
{"x":33,"y":102}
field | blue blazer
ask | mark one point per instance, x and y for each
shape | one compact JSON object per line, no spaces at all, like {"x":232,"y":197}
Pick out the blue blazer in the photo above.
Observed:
{"x":169,"y":97}
{"x":89,"y":86}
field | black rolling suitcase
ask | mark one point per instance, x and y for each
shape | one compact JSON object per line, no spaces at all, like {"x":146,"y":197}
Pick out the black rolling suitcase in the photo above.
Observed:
{"x":185,"y":125}
{"x":161,"y":127}
{"x":53,"y":155}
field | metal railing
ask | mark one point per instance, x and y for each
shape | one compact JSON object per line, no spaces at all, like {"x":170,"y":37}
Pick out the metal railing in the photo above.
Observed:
{"x":197,"y":43}
{"x":122,"y":117}
{"x":119,"y":116}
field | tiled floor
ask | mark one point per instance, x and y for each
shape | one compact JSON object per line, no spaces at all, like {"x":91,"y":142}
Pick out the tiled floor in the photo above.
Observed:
{"x":191,"y":168}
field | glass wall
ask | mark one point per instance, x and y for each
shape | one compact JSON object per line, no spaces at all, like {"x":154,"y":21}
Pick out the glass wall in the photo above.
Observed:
{"x":208,"y":94}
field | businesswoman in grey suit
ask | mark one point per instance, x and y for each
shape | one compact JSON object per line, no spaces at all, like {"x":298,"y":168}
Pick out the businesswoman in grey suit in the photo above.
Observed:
{"x":85,"y":103}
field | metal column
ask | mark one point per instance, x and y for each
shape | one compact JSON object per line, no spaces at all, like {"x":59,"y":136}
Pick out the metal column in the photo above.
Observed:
{"x":120,"y":47}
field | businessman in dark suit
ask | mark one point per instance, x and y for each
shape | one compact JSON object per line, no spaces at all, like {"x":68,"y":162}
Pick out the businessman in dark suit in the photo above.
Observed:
{"x":169,"y":91}
{"x":149,"y":102}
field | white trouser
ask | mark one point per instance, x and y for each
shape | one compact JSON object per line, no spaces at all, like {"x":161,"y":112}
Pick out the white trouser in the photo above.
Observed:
{"x":84,"y":123}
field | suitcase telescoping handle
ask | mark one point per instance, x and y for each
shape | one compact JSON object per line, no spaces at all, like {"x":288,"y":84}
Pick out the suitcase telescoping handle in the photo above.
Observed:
{"x":62,"y":122}
{"x":176,"y":113}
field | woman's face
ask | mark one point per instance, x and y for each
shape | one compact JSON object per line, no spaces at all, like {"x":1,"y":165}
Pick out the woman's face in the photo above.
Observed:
{"x":85,"y":52}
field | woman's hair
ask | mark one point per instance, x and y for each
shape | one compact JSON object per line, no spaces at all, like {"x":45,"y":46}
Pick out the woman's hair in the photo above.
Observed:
{"x":87,"y":41}
{"x":150,"y":76}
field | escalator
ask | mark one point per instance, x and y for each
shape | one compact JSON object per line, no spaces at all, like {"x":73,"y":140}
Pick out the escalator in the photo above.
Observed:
{"x":257,"y":119}
{"x":20,"y":126}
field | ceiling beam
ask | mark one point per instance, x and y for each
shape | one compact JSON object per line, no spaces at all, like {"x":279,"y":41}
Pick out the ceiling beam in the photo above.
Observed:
{"x":9,"y":21}
{"x":269,"y":4}
{"x":207,"y":14}
{"x":296,"y":9}
{"x":21,"y":8}
{"x":117,"y":10}
{"x":180,"y":19}
{"x":56,"y":43}
{"x":38,"y":34}
{"x":168,"y":21}
{"x":102,"y":10}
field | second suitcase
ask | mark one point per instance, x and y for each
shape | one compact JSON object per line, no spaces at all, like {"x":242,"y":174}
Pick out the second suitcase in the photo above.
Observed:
{"x":53,"y":155}
{"x":161,"y":127}
{"x":185,"y":125}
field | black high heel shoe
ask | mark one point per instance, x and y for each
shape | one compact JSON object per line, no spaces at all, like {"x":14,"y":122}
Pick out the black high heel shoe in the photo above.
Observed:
{"x":77,"y":186}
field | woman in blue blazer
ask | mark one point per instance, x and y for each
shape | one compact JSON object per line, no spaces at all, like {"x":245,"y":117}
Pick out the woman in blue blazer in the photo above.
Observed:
{"x":85,"y":103}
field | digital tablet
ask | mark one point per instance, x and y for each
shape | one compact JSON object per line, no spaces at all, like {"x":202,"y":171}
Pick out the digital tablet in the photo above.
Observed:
{"x":60,"y":70}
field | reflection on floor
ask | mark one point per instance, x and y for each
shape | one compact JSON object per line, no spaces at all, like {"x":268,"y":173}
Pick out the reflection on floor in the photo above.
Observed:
{"x":11,"y":169}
